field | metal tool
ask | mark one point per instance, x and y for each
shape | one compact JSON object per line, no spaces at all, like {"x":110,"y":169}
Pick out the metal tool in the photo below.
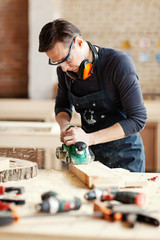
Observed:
{"x":15,"y":201}
{"x":7,"y":214}
{"x":51,"y":204}
{"x":126,"y":213}
{"x":112,"y":193}
{"x":79,"y":153}
{"x":7,"y":191}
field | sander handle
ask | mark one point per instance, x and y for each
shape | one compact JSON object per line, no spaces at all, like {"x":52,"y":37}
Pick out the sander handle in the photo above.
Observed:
{"x":80,"y":146}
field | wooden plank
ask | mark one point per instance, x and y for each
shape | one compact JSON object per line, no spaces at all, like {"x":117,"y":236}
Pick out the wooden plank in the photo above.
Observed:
{"x":28,"y":134}
{"x":29,"y":126}
{"x":96,"y":174}
{"x":27,"y":109}
{"x":12,"y":169}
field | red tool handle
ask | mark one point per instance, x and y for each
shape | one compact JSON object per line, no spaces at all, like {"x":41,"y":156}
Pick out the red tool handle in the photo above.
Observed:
{"x":130,"y":197}
{"x":2,"y":190}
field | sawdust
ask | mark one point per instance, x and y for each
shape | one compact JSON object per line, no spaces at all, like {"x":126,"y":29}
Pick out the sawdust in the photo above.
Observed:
{"x":64,"y":183}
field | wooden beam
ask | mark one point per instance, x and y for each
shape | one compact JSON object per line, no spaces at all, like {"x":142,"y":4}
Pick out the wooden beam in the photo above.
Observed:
{"x":96,"y":174}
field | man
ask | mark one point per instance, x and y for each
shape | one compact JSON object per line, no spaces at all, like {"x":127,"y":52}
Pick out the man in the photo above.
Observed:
{"x":102,"y":85}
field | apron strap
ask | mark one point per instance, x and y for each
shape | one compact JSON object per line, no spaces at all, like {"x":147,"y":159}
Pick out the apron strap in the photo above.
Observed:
{"x":69,"y":86}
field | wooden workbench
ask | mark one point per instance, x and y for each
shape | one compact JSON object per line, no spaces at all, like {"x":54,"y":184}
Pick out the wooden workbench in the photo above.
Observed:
{"x":79,"y":224}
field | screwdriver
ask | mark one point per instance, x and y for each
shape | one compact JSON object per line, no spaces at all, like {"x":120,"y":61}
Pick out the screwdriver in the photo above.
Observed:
{"x":109,"y":194}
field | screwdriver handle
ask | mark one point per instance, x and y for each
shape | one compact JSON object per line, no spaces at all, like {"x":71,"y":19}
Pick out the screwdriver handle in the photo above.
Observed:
{"x":2,"y":190}
{"x":130,"y":197}
{"x":15,"y":201}
{"x":17,"y":190}
{"x":80,"y":146}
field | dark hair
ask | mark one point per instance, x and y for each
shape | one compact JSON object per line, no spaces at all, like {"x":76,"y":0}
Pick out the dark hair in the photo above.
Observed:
{"x":59,"y":30}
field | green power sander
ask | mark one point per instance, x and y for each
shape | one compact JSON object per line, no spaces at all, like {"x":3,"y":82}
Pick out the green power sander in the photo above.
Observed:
{"x":79,"y":153}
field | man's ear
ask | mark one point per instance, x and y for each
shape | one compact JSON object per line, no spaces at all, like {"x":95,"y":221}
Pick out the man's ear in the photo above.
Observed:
{"x":79,"y":41}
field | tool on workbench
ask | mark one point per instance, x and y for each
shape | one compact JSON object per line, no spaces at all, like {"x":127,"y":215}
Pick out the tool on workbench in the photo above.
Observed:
{"x":79,"y":153}
{"x":47,"y":195}
{"x":126,"y":213}
{"x":8,"y":214}
{"x":51,"y":204}
{"x":7,"y":191}
{"x":15,"y":201}
{"x":112,"y":193}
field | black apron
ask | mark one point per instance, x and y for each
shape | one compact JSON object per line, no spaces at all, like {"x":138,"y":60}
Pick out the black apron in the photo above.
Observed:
{"x":98,"y":112}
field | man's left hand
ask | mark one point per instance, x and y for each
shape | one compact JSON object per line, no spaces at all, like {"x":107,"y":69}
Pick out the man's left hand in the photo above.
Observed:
{"x":76,"y":134}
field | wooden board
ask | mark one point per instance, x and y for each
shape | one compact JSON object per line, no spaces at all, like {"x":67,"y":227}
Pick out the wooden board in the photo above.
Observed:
{"x":96,"y":174}
{"x":27,"y":109}
{"x":12,"y":169}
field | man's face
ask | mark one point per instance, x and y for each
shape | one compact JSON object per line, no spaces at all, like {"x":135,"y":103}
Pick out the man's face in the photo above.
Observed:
{"x":73,"y":53}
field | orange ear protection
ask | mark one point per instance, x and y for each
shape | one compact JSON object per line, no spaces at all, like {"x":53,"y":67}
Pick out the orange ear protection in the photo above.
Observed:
{"x":86,"y":67}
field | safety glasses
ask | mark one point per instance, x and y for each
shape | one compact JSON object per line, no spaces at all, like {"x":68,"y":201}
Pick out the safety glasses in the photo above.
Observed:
{"x":66,"y":58}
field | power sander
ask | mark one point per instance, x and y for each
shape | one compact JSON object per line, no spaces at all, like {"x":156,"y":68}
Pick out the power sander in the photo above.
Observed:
{"x":79,"y":153}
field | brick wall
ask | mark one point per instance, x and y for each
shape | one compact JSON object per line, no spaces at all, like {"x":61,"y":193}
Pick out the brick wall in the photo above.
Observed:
{"x":111,"y":22}
{"x":13,"y":48}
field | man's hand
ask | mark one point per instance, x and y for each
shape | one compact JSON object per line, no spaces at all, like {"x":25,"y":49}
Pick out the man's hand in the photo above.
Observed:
{"x":63,"y":119}
{"x":63,"y":132}
{"x":76,"y":134}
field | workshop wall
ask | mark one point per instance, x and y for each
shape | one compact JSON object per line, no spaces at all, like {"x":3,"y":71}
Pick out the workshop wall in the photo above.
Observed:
{"x":13,"y":48}
{"x":131,"y":26}
{"x":41,"y":74}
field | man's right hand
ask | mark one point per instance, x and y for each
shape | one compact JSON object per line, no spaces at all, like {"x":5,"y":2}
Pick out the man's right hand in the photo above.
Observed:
{"x":63,"y":119}
{"x":64,"y":131}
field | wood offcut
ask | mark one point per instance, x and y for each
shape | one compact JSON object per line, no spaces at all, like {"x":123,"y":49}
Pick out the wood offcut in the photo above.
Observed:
{"x":13,"y":169}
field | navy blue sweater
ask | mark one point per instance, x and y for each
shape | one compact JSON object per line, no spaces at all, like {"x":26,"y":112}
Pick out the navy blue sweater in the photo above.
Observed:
{"x":122,"y":85}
